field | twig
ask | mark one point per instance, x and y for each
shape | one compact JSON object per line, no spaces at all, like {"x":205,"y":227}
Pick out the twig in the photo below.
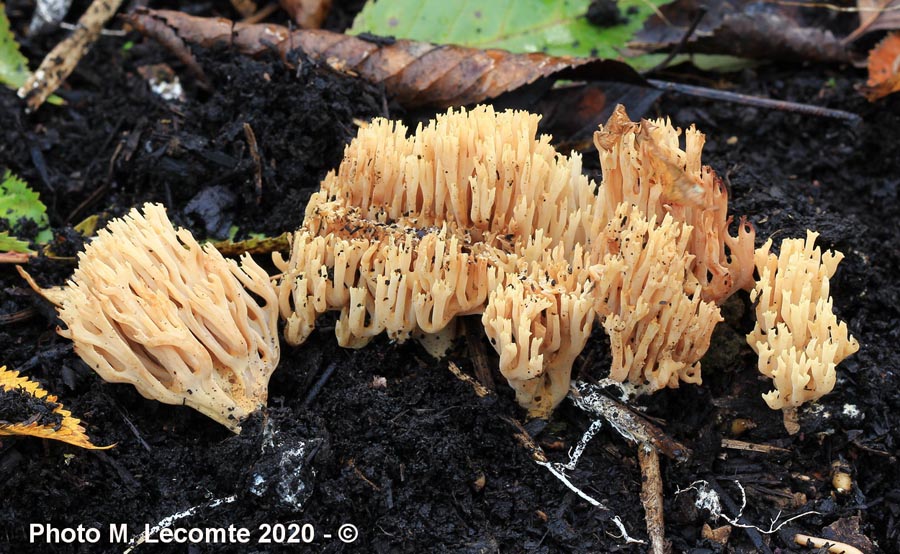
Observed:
{"x":257,"y":160}
{"x":757,"y":101}
{"x":317,"y":388}
{"x":134,"y":429}
{"x":628,"y":424}
{"x":474,"y":331}
{"x":59,"y":63}
{"x":15,"y":257}
{"x":479,"y":389}
{"x":834,"y":547}
{"x":752,"y":447}
{"x":362,"y":476}
{"x":833,"y":7}
{"x":17,"y":317}
{"x":652,"y":498}
{"x":678,"y":47}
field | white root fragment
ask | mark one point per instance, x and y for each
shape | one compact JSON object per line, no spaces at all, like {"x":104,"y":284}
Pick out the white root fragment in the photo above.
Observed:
{"x":558,"y":470}
{"x":708,"y":499}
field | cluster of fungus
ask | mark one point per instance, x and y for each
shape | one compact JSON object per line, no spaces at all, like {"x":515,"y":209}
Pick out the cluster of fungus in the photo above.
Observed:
{"x":797,"y":336}
{"x":149,"y":306}
{"x":475,"y":214}
{"x":471,"y":214}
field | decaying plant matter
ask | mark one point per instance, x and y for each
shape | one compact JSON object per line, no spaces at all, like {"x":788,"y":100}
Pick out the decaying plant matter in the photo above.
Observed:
{"x":474,"y":214}
{"x":149,"y":306}
{"x":797,"y":336}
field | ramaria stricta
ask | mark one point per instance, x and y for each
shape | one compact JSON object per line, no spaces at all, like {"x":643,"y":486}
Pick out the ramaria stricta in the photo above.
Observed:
{"x":470,"y":214}
{"x":475,"y":214}
{"x":149,"y":306}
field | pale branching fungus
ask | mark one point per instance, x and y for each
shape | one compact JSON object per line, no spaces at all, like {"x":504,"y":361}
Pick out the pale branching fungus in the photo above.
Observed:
{"x":797,"y":336}
{"x":147,"y":305}
{"x":643,"y":165}
{"x":650,"y":302}
{"x":474,"y":214}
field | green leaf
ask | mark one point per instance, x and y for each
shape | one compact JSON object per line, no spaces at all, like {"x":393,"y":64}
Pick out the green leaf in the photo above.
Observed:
{"x":12,"y":244}
{"x":556,"y":27}
{"x":13,"y":65}
{"x":17,"y":201}
{"x":717,"y":63}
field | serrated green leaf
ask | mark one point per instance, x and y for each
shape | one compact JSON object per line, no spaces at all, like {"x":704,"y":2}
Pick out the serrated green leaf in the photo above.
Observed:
{"x":556,"y":27}
{"x":12,"y":244}
{"x":18,"y":201}
{"x":13,"y":65}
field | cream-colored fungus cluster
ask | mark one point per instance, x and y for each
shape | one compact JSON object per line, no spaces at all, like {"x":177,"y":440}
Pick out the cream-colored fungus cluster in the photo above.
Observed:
{"x":470,"y":214}
{"x":797,"y":335}
{"x":149,"y":306}
{"x":473,"y":213}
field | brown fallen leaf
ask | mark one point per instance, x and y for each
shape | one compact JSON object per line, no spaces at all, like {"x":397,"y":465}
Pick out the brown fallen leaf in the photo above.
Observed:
{"x":414,"y":73}
{"x":743,"y":28}
{"x":884,"y":69}
{"x":308,"y":14}
{"x":244,"y":7}
{"x":49,"y":419}
{"x":59,"y":63}
{"x":875,"y":15}
{"x":572,"y":113}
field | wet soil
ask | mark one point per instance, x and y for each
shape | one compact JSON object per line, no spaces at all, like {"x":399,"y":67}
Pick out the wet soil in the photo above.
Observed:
{"x":386,"y":438}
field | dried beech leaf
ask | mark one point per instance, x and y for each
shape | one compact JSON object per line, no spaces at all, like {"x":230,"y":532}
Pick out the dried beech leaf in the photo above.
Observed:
{"x":244,"y":7}
{"x":415,"y":73}
{"x":50,"y":419}
{"x":308,"y":14}
{"x":555,"y":28}
{"x":876,"y":15}
{"x":572,"y":113}
{"x":884,"y":68}
{"x":743,"y":28}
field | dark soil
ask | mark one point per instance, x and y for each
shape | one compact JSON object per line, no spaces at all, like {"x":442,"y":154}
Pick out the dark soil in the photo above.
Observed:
{"x":418,"y":462}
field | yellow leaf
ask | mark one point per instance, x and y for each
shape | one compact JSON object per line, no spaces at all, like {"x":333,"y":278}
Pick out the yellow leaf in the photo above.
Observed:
{"x":62,"y":427}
